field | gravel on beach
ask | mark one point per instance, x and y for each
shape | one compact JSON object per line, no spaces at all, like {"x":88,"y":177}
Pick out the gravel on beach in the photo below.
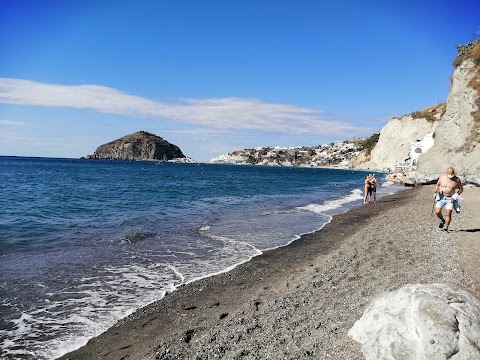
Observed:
{"x":299,"y":301}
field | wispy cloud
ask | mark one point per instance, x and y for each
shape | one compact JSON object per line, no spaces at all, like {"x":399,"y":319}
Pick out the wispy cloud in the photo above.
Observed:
{"x":11,"y":122}
{"x":198,"y":132}
{"x":216,"y":114}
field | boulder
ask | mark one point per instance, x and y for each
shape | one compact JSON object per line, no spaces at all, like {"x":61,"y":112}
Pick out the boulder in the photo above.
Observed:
{"x":421,"y":322}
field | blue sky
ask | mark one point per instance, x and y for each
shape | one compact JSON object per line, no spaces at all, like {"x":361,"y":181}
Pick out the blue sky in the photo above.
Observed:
{"x":216,"y":76}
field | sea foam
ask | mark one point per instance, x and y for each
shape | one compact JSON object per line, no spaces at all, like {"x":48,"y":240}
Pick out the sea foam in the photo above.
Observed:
{"x":334,"y":204}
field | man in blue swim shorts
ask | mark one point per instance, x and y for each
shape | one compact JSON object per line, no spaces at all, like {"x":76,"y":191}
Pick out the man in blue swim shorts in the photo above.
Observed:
{"x":444,"y":190}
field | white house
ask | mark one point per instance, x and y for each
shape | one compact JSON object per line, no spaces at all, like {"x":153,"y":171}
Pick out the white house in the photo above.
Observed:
{"x":417,"y":148}
{"x":420,"y":147}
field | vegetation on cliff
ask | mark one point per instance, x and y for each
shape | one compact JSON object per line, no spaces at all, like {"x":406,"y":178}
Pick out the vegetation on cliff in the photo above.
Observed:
{"x":369,"y":143}
{"x":431,"y":113}
{"x":468,"y":51}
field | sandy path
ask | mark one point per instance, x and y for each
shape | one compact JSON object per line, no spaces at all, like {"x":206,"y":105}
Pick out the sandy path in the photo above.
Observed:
{"x":468,"y":235}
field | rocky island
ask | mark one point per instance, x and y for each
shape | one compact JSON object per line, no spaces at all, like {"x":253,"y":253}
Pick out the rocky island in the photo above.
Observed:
{"x":140,"y":145}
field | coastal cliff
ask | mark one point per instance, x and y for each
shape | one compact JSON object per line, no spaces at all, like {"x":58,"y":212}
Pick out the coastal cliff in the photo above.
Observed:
{"x":396,"y":138}
{"x":457,"y":135}
{"x":140,"y":145}
{"x":453,"y":128}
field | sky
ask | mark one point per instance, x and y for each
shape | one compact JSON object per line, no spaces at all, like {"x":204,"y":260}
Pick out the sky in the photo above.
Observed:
{"x":215,"y":76}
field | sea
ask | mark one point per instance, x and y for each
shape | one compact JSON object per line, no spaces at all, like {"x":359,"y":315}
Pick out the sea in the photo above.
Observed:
{"x":84,"y":243}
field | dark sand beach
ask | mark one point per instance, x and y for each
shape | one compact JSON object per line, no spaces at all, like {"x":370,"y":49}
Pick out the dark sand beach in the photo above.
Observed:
{"x":299,"y":301}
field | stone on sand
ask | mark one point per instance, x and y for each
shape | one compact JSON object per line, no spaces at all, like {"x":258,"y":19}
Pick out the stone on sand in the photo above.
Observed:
{"x":435,"y":321}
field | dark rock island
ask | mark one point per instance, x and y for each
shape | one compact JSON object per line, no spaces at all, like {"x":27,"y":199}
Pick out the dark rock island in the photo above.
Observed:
{"x":140,"y":145}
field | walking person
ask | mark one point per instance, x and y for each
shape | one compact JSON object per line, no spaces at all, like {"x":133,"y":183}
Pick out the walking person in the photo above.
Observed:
{"x":444,"y":191}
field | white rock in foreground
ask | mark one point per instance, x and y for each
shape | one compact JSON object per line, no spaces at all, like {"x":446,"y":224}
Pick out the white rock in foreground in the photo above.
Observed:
{"x":421,"y":322}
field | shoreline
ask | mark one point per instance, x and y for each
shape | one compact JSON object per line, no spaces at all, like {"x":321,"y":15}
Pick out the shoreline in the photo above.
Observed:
{"x":294,"y":301}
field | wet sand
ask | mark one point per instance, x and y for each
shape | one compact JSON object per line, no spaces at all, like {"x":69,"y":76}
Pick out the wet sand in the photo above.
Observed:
{"x":299,"y":301}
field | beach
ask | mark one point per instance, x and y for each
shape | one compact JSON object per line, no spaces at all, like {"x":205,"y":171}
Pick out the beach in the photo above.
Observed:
{"x":299,"y":301}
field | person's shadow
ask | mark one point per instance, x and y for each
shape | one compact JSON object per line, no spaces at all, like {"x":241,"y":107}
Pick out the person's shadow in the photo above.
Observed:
{"x":470,"y":230}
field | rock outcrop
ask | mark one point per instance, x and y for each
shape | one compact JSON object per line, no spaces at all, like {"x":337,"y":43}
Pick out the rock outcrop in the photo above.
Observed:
{"x":396,"y":139}
{"x":138,"y":146}
{"x":454,"y":127}
{"x":457,"y":136}
{"x":421,"y":322}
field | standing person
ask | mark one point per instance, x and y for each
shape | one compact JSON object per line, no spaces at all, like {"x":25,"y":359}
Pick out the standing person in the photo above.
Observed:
{"x":368,"y":189}
{"x":444,"y":189}
{"x":373,"y":187}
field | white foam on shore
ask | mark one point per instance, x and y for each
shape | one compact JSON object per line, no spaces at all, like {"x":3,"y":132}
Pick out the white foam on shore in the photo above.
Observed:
{"x":231,"y":244}
{"x":297,"y":237}
{"x":69,"y":319}
{"x":225,"y":270}
{"x":231,"y":249}
{"x":387,"y":184}
{"x":184,"y":274}
{"x":354,"y":195}
{"x":177,"y":272}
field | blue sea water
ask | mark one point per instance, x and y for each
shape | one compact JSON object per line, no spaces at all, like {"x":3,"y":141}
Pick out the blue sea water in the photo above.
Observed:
{"x":85,"y":243}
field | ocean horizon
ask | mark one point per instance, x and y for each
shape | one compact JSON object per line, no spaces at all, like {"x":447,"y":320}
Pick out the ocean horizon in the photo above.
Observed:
{"x":85,"y":243}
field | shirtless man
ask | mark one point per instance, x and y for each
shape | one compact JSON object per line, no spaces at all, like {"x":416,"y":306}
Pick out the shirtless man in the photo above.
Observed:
{"x":444,"y":189}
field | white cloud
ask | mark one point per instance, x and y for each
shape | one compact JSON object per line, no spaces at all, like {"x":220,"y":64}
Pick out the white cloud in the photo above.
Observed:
{"x":214,"y":114}
{"x":197,"y":132}
{"x":11,"y":122}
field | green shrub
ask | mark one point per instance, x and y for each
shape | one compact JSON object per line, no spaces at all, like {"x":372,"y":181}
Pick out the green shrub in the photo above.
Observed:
{"x":468,"y":51}
{"x":369,"y":143}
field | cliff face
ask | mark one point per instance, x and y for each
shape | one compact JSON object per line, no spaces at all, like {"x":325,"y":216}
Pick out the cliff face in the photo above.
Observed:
{"x":457,"y":135}
{"x":138,"y":146}
{"x":455,"y":126}
{"x":394,"y":144}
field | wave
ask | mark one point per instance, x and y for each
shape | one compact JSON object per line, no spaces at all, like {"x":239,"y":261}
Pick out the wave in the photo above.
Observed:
{"x":354,"y":195}
{"x":387,"y":184}
{"x":67,"y":320}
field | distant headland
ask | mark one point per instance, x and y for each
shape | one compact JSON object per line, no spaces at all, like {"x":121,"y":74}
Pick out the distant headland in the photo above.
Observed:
{"x":140,"y":145}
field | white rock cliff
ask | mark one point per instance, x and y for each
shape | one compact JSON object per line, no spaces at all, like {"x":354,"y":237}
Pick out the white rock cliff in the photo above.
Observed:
{"x":395,"y":141}
{"x":455,"y":127}
{"x":457,"y":135}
